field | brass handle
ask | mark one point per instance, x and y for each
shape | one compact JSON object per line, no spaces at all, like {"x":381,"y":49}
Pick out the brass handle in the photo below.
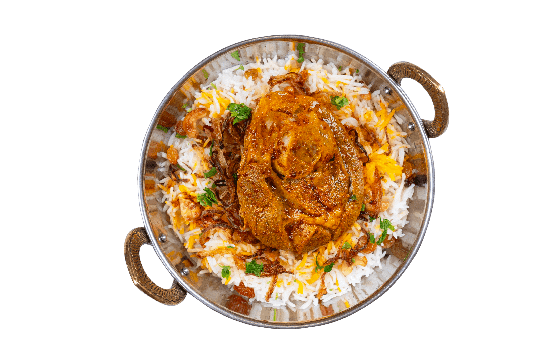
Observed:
{"x":134,"y":241}
{"x":401,"y":70}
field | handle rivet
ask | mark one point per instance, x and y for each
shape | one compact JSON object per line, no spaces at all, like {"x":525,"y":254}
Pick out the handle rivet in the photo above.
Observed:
{"x":411,"y":127}
{"x":387,"y":90}
{"x":163,"y":238}
{"x":185,"y":271}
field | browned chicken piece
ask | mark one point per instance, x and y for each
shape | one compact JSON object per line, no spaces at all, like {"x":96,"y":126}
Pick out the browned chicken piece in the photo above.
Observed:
{"x":190,"y":210}
{"x":172,"y":155}
{"x":300,"y":182}
{"x":188,"y":126}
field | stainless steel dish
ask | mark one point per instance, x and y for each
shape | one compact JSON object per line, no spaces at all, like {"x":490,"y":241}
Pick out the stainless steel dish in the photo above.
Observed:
{"x":208,"y":289}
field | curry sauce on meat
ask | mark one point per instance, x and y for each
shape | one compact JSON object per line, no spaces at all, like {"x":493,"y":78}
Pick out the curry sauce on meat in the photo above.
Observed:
{"x":300,"y":179}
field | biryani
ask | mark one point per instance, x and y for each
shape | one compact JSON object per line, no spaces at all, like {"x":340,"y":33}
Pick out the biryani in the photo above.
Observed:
{"x":287,"y":178}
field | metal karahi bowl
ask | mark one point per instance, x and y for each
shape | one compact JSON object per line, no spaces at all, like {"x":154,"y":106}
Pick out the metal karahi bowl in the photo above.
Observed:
{"x":207,"y":288}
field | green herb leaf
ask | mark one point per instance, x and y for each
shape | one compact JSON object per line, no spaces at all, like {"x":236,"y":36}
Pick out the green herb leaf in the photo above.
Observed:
{"x":340,"y":68}
{"x":301,"y":48}
{"x":208,"y":198}
{"x":231,"y":247}
{"x":179,"y":135}
{"x":164,"y":129}
{"x":254,"y":268}
{"x":328,"y":268}
{"x":235,"y":176}
{"x":300,"y":59}
{"x":184,"y":106}
{"x":211,"y":148}
{"x":371,"y":219}
{"x":205,"y":74}
{"x":213,"y":86}
{"x":363,"y":207}
{"x":239,"y":111}
{"x":346,"y":246}
{"x":210,"y":173}
{"x":236,"y":55}
{"x":353,"y":260}
{"x":339,"y":102}
{"x":225,"y":272}
{"x":180,"y":167}
{"x":353,"y":198}
{"x":371,"y":238}
{"x":241,"y":68}
{"x":356,"y":71}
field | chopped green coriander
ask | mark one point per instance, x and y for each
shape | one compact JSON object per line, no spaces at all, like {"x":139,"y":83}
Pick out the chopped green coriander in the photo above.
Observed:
{"x":339,"y":102}
{"x":328,"y":268}
{"x":235,"y":176}
{"x":179,"y":135}
{"x":371,"y":219}
{"x":164,"y":129}
{"x":188,"y":110}
{"x":180,"y":167}
{"x":353,"y":198}
{"x":225,"y":272}
{"x":241,"y":68}
{"x":211,"y":148}
{"x":275,"y":310}
{"x":213,"y":86}
{"x":208,"y":198}
{"x":254,"y":268}
{"x":346,"y":245}
{"x":301,"y":49}
{"x":210,"y":173}
{"x":353,"y":260}
{"x":235,"y":55}
{"x":386,"y":224}
{"x":214,"y":185}
{"x":184,"y":106}
{"x":340,"y":68}
{"x":231,"y":247}
{"x":363,"y":207}
{"x":356,"y":71}
{"x":205,"y":74}
{"x":239,"y":111}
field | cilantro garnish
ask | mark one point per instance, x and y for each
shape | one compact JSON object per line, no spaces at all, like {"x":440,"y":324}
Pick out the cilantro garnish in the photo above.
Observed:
{"x":235,"y":176}
{"x":371,"y":219}
{"x":356,"y":71}
{"x":231,"y":247}
{"x":340,"y":68}
{"x":327,"y":268}
{"x":353,"y":198}
{"x":225,"y":272}
{"x":205,"y":74}
{"x":363,"y":207}
{"x":208,"y":198}
{"x":179,"y":135}
{"x":213,"y":86}
{"x":180,"y":167}
{"x":210,"y":173}
{"x":301,"y":49}
{"x":353,"y":260}
{"x":211,"y":148}
{"x":241,"y":68}
{"x":239,"y":111}
{"x":346,"y":245}
{"x":339,"y":102}
{"x":160,"y":127}
{"x":384,"y":225}
{"x":235,"y":55}
{"x":185,"y":105}
{"x":254,"y":268}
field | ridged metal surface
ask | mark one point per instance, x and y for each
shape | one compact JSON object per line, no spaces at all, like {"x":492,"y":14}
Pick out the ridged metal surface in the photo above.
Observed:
{"x":207,"y":288}
{"x":134,"y":241}
{"x":402,"y":70}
